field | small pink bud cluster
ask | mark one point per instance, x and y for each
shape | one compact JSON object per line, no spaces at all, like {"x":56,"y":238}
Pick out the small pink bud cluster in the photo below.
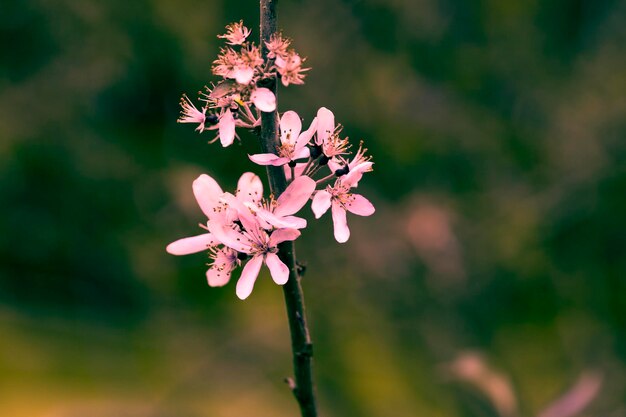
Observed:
{"x":238,"y":99}
{"x":245,"y":228}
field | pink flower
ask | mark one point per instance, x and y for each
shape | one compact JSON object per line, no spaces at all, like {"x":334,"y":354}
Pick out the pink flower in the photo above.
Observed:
{"x":279,"y":213}
{"x":190,"y":114}
{"x":251,"y":56}
{"x":359,"y":163}
{"x":210,"y":198}
{"x":328,"y":135}
{"x":239,"y":66}
{"x":289,"y":66}
{"x":293,"y":143}
{"x":277,"y":46}
{"x":339,"y":198}
{"x":213,"y":200}
{"x":226,"y":63}
{"x":254,"y":241}
{"x":236,"y":33}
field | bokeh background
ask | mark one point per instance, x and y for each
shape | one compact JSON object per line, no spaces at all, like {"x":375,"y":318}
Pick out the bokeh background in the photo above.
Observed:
{"x":490,"y":282}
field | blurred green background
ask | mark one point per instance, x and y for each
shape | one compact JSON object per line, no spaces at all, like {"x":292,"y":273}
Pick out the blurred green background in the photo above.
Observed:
{"x":490,"y":282}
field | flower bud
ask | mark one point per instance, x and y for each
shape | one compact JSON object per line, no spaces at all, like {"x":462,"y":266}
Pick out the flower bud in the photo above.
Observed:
{"x":212,"y":119}
{"x":315,"y":150}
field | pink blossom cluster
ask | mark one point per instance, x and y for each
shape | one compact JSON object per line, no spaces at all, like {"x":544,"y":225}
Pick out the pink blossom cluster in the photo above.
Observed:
{"x":321,"y":151}
{"x":245,"y":228}
{"x":238,"y":99}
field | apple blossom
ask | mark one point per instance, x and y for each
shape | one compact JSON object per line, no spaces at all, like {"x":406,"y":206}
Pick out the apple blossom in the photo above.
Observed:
{"x":260,"y":245}
{"x":339,"y":198}
{"x":293,"y":143}
{"x":277,"y":46}
{"x":209,"y":196}
{"x":327,"y":135}
{"x":236,"y":33}
{"x":290,"y":68}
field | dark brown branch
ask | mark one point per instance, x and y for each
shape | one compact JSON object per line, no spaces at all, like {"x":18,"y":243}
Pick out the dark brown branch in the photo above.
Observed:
{"x":302,"y":348}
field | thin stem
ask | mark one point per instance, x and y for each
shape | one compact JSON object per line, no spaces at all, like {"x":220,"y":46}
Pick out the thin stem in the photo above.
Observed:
{"x":302,"y":348}
{"x":315,"y":169}
{"x":306,"y":167}
{"x":328,"y":177}
{"x":253,"y":120}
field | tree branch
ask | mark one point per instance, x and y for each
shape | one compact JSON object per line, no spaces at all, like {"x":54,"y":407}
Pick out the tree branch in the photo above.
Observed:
{"x":302,"y":348}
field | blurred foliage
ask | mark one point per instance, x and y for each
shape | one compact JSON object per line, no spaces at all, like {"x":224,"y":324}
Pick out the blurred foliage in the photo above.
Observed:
{"x":497,"y":129}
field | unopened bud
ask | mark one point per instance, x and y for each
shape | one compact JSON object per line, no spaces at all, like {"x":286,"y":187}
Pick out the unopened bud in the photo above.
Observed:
{"x":316,"y":151}
{"x":212,"y":119}
{"x":342,"y":171}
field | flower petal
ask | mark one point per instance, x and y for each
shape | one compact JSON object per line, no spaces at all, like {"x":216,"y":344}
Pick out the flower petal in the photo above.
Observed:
{"x":191,"y":244}
{"x":290,"y":127}
{"x":325,"y":125}
{"x":207,"y":192}
{"x":248,"y":277}
{"x":263,"y":99}
{"x":283,"y":235}
{"x":278,"y":270}
{"x":217,"y":277}
{"x":227,"y":128}
{"x":294,"y":222}
{"x":230,"y":237}
{"x":271,"y":220}
{"x":295,"y":196}
{"x":340,"y":223}
{"x":243,"y":74}
{"x":359,"y":205}
{"x":321,"y":203}
{"x":302,"y":153}
{"x":306,"y":136}
{"x":352,"y":178}
{"x":249,"y":187}
{"x":241,"y":211}
{"x":268,"y":159}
